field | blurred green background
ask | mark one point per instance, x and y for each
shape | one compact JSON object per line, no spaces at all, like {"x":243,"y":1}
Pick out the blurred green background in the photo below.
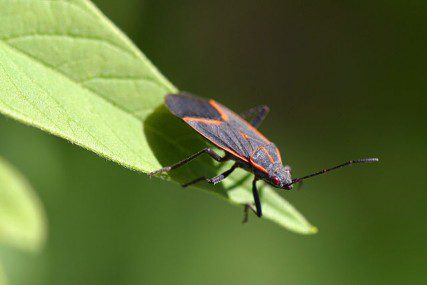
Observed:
{"x":343,"y":79}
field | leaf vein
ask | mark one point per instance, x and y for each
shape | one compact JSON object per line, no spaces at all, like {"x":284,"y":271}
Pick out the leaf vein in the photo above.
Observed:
{"x":70,"y":37}
{"x":65,"y":113}
{"x":52,"y":68}
{"x":25,"y":98}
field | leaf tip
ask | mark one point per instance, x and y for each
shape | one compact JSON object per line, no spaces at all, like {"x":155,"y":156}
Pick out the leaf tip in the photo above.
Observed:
{"x":313,"y":230}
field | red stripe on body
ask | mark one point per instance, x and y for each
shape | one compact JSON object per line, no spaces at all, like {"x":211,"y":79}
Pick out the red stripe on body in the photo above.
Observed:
{"x":268,"y":154}
{"x":259,"y":167}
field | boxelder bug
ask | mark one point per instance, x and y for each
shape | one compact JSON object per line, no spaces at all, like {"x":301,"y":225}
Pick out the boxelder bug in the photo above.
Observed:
{"x":240,"y":140}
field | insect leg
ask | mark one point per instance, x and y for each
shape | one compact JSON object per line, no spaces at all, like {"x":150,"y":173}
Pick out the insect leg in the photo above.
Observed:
{"x":258,"y":209}
{"x":209,"y":151}
{"x":213,"y":180}
{"x":258,"y":115}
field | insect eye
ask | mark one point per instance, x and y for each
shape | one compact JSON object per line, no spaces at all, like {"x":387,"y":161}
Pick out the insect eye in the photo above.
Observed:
{"x":275,"y":180}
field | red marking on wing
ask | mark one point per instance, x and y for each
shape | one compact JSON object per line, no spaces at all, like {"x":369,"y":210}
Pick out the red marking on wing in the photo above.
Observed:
{"x":214,"y":104}
{"x":205,"y":121}
{"x":232,"y":152}
{"x":225,"y":148}
{"x":215,"y":122}
{"x":246,"y":138}
{"x":225,"y":117}
{"x":253,"y":129}
{"x":268,"y":154}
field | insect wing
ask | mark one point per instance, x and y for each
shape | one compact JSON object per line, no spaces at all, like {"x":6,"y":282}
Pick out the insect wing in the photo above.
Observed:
{"x":185,"y":105}
{"x":218,"y":124}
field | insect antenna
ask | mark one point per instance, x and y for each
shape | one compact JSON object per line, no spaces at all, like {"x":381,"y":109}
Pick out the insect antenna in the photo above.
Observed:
{"x":363,"y":160}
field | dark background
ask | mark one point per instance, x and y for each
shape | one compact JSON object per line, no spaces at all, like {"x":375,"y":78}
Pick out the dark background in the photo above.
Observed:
{"x":344,"y":79}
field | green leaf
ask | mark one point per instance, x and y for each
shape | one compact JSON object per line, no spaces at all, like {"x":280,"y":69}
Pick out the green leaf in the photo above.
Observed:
{"x":66,"y":69}
{"x":22,"y":222}
{"x":3,"y":279}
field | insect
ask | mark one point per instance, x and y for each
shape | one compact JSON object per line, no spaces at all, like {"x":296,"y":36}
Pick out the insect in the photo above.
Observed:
{"x":240,"y":140}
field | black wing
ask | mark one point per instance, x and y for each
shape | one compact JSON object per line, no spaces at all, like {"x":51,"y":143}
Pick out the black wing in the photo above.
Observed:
{"x":219,"y":125}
